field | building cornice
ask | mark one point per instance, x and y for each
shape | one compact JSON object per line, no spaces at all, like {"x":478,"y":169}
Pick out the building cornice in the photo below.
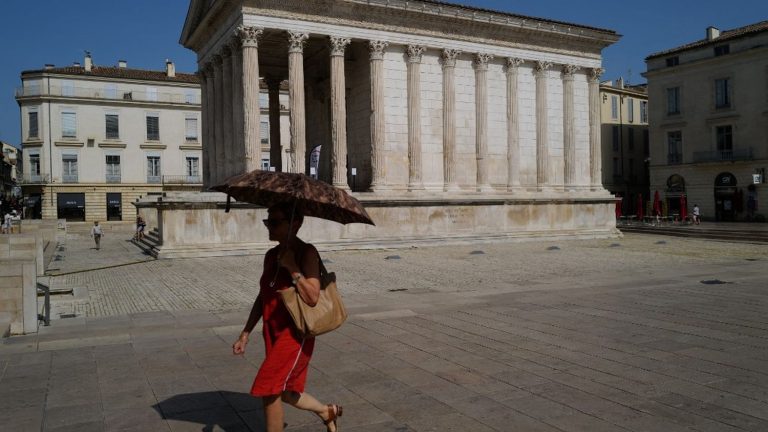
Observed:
{"x":708,"y":62}
{"x":91,"y":78}
{"x":69,"y":100}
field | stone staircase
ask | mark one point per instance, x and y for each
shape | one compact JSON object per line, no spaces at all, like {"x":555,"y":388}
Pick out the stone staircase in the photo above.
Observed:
{"x":150,"y":242}
{"x":736,"y":233}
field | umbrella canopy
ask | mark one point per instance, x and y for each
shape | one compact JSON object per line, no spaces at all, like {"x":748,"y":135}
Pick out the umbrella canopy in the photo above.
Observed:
{"x":683,"y":207}
{"x":640,"y":212}
{"x":656,"y":204}
{"x":311,"y":197}
{"x":618,"y":207}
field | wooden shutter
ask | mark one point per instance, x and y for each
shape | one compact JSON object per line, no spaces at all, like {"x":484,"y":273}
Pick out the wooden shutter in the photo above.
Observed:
{"x":113,"y":126}
{"x":153,"y":128}
{"x":68,"y":125}
{"x":191,"y":129}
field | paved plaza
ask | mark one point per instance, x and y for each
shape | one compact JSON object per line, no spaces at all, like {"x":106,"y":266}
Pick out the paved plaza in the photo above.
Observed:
{"x":643,"y":333}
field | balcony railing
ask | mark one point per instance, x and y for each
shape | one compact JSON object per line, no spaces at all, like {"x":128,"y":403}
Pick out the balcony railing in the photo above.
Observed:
{"x":674,"y":158}
{"x":28,"y":179}
{"x":723,"y":155}
{"x":102,"y":93}
{"x":113,"y":178}
{"x":183,"y":179}
{"x":154,"y":179}
{"x":69,"y":178}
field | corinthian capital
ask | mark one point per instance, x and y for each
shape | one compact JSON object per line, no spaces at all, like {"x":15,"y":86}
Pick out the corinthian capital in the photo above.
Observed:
{"x":449,"y":57}
{"x":569,"y":70}
{"x":481,"y":60}
{"x":249,"y":36}
{"x":513,"y":63}
{"x":338,"y":45}
{"x":542,"y":66}
{"x":377,"y":48}
{"x":414,"y":52}
{"x":217,"y":60}
{"x":594,"y":74}
{"x":296,"y":41}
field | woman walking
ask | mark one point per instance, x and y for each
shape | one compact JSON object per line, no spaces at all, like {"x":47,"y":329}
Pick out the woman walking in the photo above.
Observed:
{"x":283,"y":373}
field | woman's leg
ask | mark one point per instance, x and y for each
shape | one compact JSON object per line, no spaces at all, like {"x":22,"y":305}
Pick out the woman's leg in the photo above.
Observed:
{"x":273,"y":413}
{"x":306,"y":401}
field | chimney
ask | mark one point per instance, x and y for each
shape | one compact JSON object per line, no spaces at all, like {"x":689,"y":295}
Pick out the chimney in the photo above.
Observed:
{"x":170,"y":69}
{"x":620,"y":83}
{"x":712,"y":33}
{"x":88,"y":61}
{"x":122,"y":64}
{"x":49,"y":66}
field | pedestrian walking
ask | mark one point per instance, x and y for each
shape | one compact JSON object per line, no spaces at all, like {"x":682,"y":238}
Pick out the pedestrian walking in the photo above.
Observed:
{"x":97,"y":233}
{"x":283,"y":374}
{"x":140,"y":226}
{"x":696,"y":214}
{"x":6,"y":225}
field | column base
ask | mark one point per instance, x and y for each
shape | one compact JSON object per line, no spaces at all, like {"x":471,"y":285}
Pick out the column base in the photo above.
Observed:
{"x":451,"y":187}
{"x":485,"y":188}
{"x":415,"y":187}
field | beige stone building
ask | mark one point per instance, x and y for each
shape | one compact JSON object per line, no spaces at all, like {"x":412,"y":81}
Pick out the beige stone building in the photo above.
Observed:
{"x":625,"y":141}
{"x":709,"y":122}
{"x":446,"y":121}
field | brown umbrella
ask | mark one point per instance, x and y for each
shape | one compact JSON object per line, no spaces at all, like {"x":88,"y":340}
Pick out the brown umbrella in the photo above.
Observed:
{"x":311,"y":197}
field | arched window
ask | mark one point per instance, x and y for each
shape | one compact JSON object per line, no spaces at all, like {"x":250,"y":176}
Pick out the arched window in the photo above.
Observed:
{"x":675,"y":184}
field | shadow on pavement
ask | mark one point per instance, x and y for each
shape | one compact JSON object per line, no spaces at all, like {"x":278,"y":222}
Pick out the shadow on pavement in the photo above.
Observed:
{"x":215,"y":410}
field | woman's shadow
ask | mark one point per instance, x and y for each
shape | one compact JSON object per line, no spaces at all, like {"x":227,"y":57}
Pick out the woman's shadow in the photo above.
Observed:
{"x":215,"y":411}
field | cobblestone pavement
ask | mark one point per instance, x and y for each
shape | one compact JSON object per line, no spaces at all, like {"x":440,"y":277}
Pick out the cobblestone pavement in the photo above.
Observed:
{"x":639,"y":334}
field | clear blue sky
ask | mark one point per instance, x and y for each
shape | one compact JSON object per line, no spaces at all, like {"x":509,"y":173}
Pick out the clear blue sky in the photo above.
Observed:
{"x":146,"y":32}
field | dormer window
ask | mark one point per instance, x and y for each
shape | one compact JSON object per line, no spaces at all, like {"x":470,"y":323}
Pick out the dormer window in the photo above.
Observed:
{"x":721,"y":50}
{"x":673,"y":61}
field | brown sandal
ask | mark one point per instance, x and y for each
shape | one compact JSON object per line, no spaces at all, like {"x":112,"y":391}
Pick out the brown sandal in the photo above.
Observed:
{"x":334,"y":412}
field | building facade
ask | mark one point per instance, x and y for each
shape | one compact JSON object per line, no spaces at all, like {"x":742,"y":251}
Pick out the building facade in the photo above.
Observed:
{"x":709,"y":122}
{"x":625,"y":142}
{"x":97,"y":138}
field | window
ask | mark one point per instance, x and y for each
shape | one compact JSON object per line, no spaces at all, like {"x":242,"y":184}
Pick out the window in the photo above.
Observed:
{"x":110,"y":91}
{"x":722,"y":93}
{"x":673,"y":61}
{"x":722,"y":50}
{"x":69,"y":168}
{"x":152,"y":94}
{"x":68,"y":124}
{"x":264,"y":132}
{"x":724,"y":139}
{"x":153,"y":169}
{"x":193,"y":167}
{"x":67,"y":88}
{"x":32,"y":130}
{"x":630,"y":110}
{"x":614,"y":107}
{"x":674,"y":147}
{"x":113,"y":169}
{"x":673,"y":100}
{"x":616,"y":167}
{"x":190,"y":125}
{"x":113,"y":126}
{"x":630,"y":139}
{"x":34,"y":166}
{"x":615,"y":131}
{"x":153,"y":128}
{"x":643,"y":111}
{"x":265,"y":164}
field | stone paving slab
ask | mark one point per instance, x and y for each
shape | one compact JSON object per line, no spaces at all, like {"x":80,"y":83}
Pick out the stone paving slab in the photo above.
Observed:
{"x":591,"y":337}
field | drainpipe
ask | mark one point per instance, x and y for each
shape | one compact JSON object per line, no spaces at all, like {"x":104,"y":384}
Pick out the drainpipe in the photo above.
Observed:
{"x":50,"y":144}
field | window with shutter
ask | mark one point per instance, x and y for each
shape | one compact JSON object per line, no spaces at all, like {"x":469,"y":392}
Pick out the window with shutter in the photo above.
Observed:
{"x":614,"y":107}
{"x":153,"y":169}
{"x":153,"y":128}
{"x":193,"y":167}
{"x":191,"y":129}
{"x":630,"y":110}
{"x":113,"y":168}
{"x":34,"y":166}
{"x":68,"y":125}
{"x":33,"y":128}
{"x":113,"y":126}
{"x":69,"y":168}
{"x":264,"y":132}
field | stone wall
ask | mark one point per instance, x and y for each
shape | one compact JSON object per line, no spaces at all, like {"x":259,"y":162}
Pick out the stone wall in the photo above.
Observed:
{"x":19,"y":255}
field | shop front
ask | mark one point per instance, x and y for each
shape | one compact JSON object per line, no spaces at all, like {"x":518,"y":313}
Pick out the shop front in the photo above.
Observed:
{"x":70,"y":206}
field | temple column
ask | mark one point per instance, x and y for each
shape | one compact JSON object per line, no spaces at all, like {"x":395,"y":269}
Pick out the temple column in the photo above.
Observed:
{"x":481,"y":120}
{"x":238,"y":146}
{"x":378,"y":170}
{"x":569,"y":129}
{"x":250,"y":114}
{"x":275,"y":147}
{"x":229,"y":150}
{"x":414,"y":53}
{"x":542,"y":122}
{"x":204,"y":125}
{"x":595,"y":158}
{"x":513,"y":125}
{"x":218,"y":119}
{"x":450,"y":183}
{"x":338,"y":112}
{"x":296,"y":94}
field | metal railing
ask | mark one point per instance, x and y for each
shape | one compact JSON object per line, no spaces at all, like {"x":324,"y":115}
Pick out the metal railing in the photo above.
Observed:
{"x":69,"y":178}
{"x":112,"y":178}
{"x":154,"y":179}
{"x":36,"y":179}
{"x":112,"y":94}
{"x":674,"y":158}
{"x":723,"y":155}
{"x":183,"y":179}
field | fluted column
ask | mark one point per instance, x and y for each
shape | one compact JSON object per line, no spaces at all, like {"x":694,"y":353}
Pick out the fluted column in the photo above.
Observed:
{"x":378,"y":170}
{"x":481,"y":119}
{"x":296,"y":94}
{"x":275,"y":147}
{"x":595,"y":158}
{"x":238,"y":144}
{"x":569,"y":128}
{"x":205,"y":124}
{"x":513,"y":125}
{"x":218,"y":119}
{"x":542,"y":121}
{"x":338,"y":112}
{"x":229,"y":150}
{"x":450,"y":184}
{"x":251,"y":112}
{"x":414,"y":53}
